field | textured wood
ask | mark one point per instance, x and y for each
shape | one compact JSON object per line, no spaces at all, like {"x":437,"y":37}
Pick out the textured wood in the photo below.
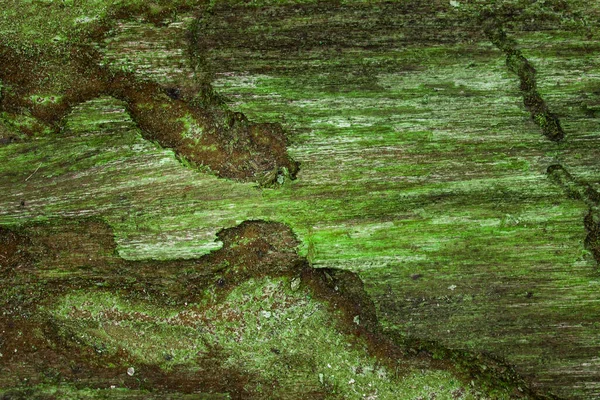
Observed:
{"x":421,"y":168}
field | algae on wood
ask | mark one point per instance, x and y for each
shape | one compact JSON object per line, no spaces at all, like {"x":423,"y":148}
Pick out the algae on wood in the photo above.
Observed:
{"x":421,"y":168}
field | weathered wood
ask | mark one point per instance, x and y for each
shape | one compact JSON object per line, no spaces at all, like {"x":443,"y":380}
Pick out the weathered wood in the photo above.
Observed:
{"x":421,"y":167}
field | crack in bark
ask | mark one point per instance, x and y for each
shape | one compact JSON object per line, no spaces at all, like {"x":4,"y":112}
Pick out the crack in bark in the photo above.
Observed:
{"x":548,"y":122}
{"x":581,"y":191}
{"x":551,"y":128}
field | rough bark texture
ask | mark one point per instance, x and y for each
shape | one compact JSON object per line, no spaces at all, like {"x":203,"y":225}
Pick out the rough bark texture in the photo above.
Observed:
{"x":299,"y":199}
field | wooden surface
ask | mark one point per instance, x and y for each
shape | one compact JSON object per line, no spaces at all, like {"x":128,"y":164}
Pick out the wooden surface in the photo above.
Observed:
{"x":421,"y":168}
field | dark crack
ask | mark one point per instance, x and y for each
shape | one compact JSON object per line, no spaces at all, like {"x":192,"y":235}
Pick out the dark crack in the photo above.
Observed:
{"x":551,"y":128}
{"x":582,"y":191}
{"x":548,"y":122}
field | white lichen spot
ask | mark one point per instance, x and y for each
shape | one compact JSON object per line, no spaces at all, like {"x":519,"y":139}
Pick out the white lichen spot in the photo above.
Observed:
{"x":295,"y":284}
{"x":85,"y":19}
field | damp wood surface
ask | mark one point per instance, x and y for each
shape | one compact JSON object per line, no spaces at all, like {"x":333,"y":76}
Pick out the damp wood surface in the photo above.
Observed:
{"x":421,"y":170}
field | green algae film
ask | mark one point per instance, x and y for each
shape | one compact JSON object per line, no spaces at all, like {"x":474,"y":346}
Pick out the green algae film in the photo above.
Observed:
{"x":344,"y":207}
{"x":485,"y":213}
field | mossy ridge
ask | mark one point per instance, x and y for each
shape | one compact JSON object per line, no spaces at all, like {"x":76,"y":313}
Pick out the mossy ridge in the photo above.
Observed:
{"x":248,"y":305}
{"x":221,"y":135}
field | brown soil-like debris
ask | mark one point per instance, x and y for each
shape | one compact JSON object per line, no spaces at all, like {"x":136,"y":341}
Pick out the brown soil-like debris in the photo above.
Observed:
{"x":223,"y":140}
{"x":11,"y":255}
{"x":47,"y":260}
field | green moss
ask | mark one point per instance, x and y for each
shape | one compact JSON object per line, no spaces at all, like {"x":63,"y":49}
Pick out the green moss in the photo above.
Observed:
{"x":9,"y":133}
{"x":45,"y":99}
{"x":72,"y":392}
{"x":429,"y":167}
{"x":26,"y":123}
{"x":191,"y":128}
{"x":262,"y":327}
{"x":31,"y":24}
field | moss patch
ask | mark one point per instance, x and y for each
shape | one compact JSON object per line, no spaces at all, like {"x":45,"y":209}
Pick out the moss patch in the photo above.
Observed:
{"x":253,"y":311}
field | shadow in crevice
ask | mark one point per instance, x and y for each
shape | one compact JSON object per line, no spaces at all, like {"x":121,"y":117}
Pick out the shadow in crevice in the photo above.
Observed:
{"x":548,"y":122}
